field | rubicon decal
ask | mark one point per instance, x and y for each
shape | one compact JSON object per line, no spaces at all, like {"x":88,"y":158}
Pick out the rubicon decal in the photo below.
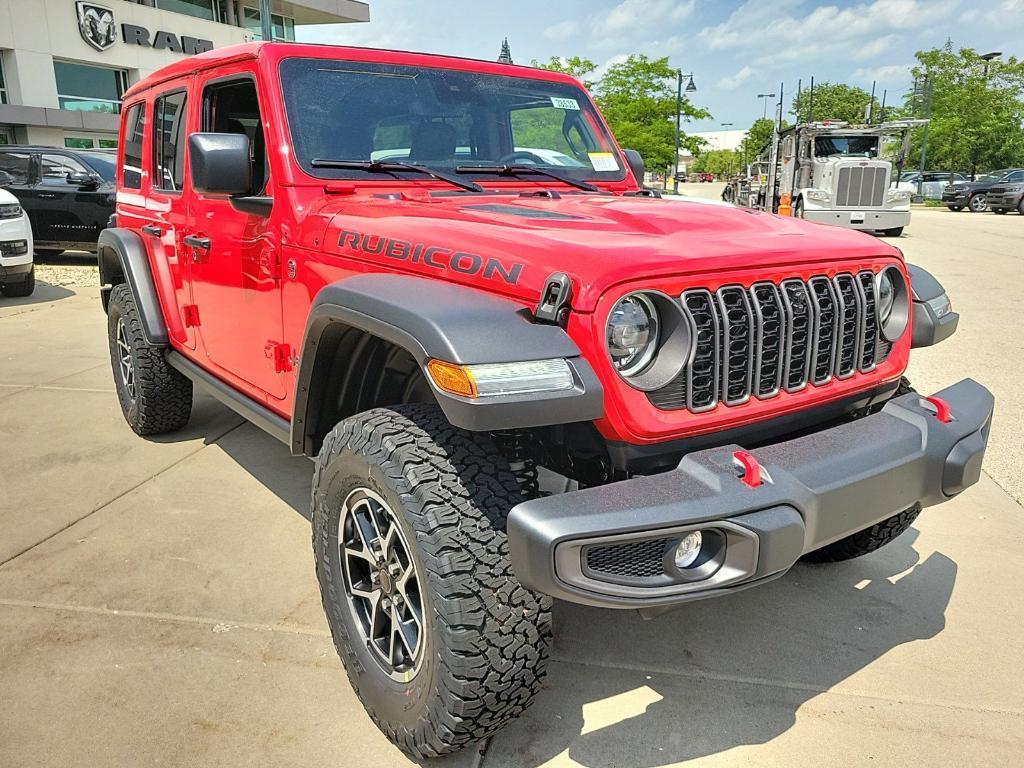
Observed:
{"x":435,"y":256}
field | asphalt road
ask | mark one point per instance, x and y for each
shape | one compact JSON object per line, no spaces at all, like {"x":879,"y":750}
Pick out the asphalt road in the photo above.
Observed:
{"x":158,"y":603}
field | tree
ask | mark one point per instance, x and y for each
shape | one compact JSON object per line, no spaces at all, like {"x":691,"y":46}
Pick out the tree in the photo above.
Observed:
{"x":833,"y":101}
{"x":720,"y":162}
{"x":759,"y":134}
{"x":576,"y":66}
{"x":638,"y":99}
{"x":977,"y":118}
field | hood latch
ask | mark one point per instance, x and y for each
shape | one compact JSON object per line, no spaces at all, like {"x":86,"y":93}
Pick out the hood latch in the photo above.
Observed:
{"x":553,"y":306}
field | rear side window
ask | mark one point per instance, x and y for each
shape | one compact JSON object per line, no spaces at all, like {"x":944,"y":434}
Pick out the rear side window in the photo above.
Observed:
{"x":14,"y":168}
{"x":169,"y":141}
{"x":131,"y":161}
{"x":1016,"y":176}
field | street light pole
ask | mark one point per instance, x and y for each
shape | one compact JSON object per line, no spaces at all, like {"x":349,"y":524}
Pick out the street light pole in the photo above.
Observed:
{"x":690,"y":88}
{"x":765,"y":97}
{"x":986,"y":57}
{"x":723,"y":126}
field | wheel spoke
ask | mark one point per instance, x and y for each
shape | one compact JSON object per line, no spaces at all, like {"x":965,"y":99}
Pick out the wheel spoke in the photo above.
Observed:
{"x":408,"y":632}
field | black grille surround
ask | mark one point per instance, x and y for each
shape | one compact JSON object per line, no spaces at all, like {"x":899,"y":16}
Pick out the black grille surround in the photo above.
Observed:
{"x":770,"y":337}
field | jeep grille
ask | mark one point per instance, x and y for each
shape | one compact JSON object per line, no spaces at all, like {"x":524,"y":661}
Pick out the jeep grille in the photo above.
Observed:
{"x":860,"y":186}
{"x":770,"y":337}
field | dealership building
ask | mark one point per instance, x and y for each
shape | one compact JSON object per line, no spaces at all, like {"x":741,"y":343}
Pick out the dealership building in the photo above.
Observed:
{"x":64,"y":64}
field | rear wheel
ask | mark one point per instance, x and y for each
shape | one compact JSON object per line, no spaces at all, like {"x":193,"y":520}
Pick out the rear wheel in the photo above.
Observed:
{"x":866,"y":541}
{"x":978,"y":203}
{"x":154,"y":397}
{"x":440,"y":641}
{"x":22,"y":288}
{"x":893,"y":232}
{"x":999,"y":210}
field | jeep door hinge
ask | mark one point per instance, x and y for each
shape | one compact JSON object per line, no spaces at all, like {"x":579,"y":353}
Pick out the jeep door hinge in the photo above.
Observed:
{"x":553,"y":306}
{"x":281,"y":354}
{"x":190,"y":313}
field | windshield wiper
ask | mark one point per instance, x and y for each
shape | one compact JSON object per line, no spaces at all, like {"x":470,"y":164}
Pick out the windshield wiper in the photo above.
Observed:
{"x":516,"y":170}
{"x":377,"y":166}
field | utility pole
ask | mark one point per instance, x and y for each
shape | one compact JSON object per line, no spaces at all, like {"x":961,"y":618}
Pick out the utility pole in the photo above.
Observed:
{"x":924,"y":139}
{"x":986,"y":57}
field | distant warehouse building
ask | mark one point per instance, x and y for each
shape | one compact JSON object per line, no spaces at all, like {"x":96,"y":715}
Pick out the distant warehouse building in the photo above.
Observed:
{"x":64,"y":64}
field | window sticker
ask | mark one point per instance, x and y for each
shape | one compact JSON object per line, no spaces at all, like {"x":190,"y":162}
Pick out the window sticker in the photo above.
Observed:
{"x":603,"y":161}
{"x":565,"y":103}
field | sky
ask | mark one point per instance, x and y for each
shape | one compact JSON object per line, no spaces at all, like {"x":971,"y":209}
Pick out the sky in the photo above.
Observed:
{"x":734,"y":49}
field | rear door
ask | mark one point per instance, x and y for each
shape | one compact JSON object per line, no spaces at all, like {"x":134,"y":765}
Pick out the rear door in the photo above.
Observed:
{"x":235,"y":268}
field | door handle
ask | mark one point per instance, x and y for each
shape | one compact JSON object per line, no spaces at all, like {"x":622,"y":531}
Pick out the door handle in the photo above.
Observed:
{"x":152,"y":229}
{"x":197,"y":242}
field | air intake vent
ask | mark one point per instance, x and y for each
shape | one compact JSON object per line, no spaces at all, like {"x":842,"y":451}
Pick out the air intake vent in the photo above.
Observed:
{"x":771,"y":337}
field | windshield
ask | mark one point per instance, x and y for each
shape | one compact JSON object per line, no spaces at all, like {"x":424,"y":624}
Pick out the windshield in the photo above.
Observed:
{"x":852,"y":146}
{"x":102,"y":163}
{"x":440,"y":118}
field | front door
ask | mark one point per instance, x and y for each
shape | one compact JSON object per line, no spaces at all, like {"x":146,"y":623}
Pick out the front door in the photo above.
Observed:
{"x":19,"y":174}
{"x":235,"y":264}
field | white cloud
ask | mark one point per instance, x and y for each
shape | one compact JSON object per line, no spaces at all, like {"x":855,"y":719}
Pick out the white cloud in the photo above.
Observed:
{"x":632,"y":17}
{"x":563,"y":30}
{"x":890,"y":73}
{"x":733,"y":82}
{"x":878,"y":47}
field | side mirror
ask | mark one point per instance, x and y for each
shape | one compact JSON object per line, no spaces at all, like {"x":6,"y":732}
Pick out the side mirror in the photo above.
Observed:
{"x":81,"y":179}
{"x":220,"y":163}
{"x":636,"y":164}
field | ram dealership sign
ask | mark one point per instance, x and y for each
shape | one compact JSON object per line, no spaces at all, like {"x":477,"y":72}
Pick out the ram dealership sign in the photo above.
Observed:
{"x":96,"y":23}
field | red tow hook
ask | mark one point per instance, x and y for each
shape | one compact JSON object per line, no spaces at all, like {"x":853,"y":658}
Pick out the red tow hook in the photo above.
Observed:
{"x":942,"y":412}
{"x":750,"y":466}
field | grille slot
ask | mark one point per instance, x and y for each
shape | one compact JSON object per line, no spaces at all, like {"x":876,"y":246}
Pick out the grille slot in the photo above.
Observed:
{"x":770,"y":337}
{"x":634,"y":559}
{"x":860,"y":186}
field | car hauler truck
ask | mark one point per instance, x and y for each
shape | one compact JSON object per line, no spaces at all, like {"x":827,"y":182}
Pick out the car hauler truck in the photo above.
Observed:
{"x":833,"y":172}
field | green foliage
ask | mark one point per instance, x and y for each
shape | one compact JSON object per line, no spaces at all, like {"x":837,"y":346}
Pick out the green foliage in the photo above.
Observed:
{"x":759,"y":135}
{"x":576,"y":66}
{"x":833,"y":101}
{"x":638,"y":99}
{"x":721,"y":162}
{"x":977,"y":121}
{"x":540,"y":127}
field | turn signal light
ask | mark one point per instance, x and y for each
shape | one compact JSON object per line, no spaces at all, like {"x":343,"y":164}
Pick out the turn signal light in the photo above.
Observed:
{"x":452,"y":378}
{"x":485,"y":380}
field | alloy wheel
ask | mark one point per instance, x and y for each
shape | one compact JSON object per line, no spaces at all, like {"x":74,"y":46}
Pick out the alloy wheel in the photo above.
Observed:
{"x":381,"y":583}
{"x":979,"y":203}
{"x":124,"y":359}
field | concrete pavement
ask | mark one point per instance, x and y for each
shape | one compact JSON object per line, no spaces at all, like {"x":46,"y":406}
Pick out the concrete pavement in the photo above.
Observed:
{"x":158,"y":603}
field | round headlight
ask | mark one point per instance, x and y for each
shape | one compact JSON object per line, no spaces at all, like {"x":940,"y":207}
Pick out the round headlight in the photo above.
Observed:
{"x":632,"y":333}
{"x":892,"y":305}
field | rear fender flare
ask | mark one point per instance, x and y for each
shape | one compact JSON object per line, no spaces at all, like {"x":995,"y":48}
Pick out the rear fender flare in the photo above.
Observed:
{"x":436,"y":320}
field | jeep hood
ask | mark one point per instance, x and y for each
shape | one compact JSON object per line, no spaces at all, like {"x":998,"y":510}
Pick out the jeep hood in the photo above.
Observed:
{"x":510,"y":243}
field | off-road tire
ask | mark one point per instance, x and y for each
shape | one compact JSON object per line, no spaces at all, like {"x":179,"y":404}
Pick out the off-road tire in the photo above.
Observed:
{"x":893,"y":232}
{"x":866,"y":541}
{"x":20,"y":289}
{"x":163,"y":396}
{"x":486,"y":636}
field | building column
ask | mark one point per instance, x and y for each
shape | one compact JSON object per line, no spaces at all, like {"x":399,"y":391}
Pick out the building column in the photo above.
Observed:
{"x":30,"y":78}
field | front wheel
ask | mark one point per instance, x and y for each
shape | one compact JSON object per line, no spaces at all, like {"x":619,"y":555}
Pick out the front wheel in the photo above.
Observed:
{"x":20,"y":289}
{"x":440,"y":641}
{"x":866,"y":541}
{"x":978,"y":204}
{"x":955,"y":208}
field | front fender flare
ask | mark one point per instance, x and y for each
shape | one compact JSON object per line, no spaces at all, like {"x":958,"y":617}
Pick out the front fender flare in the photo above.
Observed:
{"x":933,"y":319}
{"x":122,"y":257}
{"x":437,"y":320}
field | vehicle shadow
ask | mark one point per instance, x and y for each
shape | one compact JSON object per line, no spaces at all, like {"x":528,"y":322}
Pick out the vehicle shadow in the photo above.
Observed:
{"x":703,"y":679}
{"x":43,"y":294}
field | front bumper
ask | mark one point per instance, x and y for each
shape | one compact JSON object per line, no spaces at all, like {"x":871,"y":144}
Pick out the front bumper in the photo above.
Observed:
{"x":1007,"y":201}
{"x":612,"y":545}
{"x":868,"y":220}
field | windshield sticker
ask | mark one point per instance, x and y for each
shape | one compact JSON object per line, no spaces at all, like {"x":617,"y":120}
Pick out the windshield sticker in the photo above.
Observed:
{"x":565,"y":103}
{"x":603,"y":161}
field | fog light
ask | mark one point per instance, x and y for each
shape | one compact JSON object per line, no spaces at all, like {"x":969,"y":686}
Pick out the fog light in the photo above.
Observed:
{"x":688,"y":550}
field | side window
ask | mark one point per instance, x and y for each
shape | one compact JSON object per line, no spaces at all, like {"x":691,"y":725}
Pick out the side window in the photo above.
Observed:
{"x":1016,"y":176}
{"x":131,"y":161}
{"x":169,"y":141}
{"x":15,"y":168}
{"x":233,"y":107}
{"x":54,"y":169}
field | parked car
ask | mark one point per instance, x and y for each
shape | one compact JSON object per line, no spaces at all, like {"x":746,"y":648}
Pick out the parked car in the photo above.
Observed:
{"x":935,"y":182}
{"x":435,"y":332}
{"x":973,"y":195}
{"x":707,"y":177}
{"x":67,"y":193}
{"x":17,"y":272}
{"x":1007,"y":196}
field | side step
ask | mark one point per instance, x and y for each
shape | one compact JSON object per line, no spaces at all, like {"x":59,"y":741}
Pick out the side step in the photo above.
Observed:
{"x":244,"y":406}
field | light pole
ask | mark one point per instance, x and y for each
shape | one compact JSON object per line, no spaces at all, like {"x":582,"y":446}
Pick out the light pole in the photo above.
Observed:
{"x":988,"y":57}
{"x":723,"y":126}
{"x":765,"y":96}
{"x":690,"y":88}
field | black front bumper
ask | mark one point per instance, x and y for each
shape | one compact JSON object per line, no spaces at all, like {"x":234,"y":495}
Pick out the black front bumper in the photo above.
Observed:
{"x":612,"y":545}
{"x":15,"y":273}
{"x":1006,"y":201}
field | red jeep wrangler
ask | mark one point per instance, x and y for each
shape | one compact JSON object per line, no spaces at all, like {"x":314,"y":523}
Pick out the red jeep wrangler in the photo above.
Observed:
{"x":439,"y":279}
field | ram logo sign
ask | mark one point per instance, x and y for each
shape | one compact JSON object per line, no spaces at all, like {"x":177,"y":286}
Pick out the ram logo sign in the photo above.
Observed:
{"x":96,"y":23}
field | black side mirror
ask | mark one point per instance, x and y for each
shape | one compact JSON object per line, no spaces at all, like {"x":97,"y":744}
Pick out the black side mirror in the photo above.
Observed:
{"x":82,"y":179}
{"x":220,"y":163}
{"x":636,"y":164}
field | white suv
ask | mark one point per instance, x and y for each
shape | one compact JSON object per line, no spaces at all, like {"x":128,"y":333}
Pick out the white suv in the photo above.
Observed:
{"x":17,"y":273}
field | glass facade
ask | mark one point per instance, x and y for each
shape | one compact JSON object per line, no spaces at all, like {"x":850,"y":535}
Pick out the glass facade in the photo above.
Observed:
{"x":283,"y":26}
{"x":90,"y":89}
{"x":201,"y":9}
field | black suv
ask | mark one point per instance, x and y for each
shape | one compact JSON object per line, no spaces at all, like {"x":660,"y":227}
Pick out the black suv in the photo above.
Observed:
{"x":973,"y":195}
{"x":67,"y":193}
